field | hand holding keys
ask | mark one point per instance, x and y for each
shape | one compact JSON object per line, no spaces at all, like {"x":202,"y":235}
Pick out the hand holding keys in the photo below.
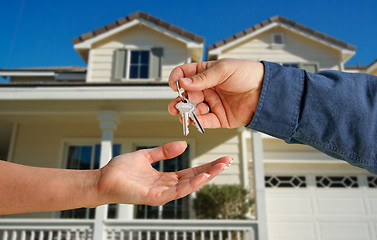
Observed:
{"x":187,"y":110}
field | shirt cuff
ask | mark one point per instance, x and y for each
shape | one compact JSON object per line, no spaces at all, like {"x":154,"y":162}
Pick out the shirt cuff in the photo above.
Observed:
{"x":279,"y":103}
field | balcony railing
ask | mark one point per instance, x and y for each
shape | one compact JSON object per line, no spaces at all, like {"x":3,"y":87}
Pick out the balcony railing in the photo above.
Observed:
{"x":52,"y":229}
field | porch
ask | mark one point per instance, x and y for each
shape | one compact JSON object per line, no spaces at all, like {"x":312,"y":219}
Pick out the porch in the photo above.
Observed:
{"x":38,"y":229}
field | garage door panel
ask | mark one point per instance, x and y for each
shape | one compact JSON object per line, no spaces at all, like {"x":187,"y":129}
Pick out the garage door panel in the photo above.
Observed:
{"x":289,"y":205}
{"x":352,"y":230}
{"x":291,"y":231}
{"x":339,"y":205}
{"x":373,"y":204}
{"x":323,"y":207}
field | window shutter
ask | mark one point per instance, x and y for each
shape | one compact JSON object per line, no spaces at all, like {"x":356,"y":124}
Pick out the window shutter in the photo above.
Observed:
{"x":120,"y":64}
{"x":155,"y":67}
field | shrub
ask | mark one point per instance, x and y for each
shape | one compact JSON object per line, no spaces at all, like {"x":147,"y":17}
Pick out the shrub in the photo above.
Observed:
{"x":222,"y":202}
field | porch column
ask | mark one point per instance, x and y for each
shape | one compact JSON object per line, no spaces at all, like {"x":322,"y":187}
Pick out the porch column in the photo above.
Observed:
{"x":12,"y":142}
{"x":108,"y":124}
{"x":244,"y":166}
{"x":259,"y":190}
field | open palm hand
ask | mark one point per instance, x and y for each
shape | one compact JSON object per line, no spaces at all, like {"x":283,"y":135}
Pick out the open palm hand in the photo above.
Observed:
{"x":130,"y":178}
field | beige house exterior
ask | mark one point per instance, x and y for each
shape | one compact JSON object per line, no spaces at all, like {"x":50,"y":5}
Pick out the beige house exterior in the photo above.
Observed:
{"x":74,"y":117}
{"x":66,"y":117}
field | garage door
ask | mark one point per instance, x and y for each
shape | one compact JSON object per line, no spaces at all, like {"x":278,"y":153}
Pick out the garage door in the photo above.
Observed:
{"x":324,"y":207}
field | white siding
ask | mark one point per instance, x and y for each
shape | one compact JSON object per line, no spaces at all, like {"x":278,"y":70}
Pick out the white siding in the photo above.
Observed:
{"x":218,"y":145}
{"x":296,"y":49}
{"x":102,"y":53}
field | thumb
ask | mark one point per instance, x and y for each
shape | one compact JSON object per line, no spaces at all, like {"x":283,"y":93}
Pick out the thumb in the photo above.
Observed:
{"x":214,"y":74}
{"x":166,"y":151}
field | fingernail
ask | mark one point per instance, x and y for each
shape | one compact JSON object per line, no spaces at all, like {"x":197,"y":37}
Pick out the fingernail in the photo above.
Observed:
{"x":228,"y":165}
{"x":207,"y":175}
{"x":186,"y":80}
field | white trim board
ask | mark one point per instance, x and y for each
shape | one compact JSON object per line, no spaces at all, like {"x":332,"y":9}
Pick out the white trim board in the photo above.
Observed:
{"x":87,"y":93}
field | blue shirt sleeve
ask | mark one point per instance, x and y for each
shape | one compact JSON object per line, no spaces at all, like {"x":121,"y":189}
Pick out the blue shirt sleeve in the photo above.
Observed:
{"x":334,"y":112}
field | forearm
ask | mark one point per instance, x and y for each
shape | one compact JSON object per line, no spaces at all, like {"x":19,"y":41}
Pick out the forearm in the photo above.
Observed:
{"x":32,"y":189}
{"x":332,"y":111}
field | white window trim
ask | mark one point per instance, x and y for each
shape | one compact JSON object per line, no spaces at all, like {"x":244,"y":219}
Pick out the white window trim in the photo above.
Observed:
{"x":275,"y":45}
{"x":133,"y":47}
{"x":128,"y":64}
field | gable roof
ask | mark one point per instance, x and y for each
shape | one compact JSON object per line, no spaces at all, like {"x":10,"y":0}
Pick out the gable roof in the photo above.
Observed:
{"x":284,"y":21}
{"x":58,"y":69}
{"x":363,"y":68}
{"x":138,"y":15}
{"x":83,"y":43}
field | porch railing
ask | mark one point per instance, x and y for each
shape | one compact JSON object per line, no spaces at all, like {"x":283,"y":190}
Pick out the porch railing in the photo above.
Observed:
{"x":52,"y":229}
{"x":46,"y":229}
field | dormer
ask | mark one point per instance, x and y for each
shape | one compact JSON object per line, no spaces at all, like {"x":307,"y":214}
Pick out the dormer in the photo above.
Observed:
{"x":138,"y":48}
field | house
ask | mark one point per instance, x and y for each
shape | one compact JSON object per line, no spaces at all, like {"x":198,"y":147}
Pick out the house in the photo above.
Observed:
{"x":78,"y":117}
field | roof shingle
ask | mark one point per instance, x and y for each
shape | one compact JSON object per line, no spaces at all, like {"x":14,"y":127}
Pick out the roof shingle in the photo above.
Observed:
{"x":287,"y":22}
{"x":137,"y":15}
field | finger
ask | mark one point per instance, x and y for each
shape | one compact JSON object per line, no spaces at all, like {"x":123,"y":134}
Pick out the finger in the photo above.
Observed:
{"x":196,"y":97}
{"x":218,"y":116}
{"x":166,"y":151}
{"x":209,"y":120}
{"x":202,"y":108}
{"x":186,"y":70}
{"x":171,"y":107}
{"x":191,"y":172}
{"x":187,"y":186}
{"x":212,"y":74}
{"x":190,"y":181}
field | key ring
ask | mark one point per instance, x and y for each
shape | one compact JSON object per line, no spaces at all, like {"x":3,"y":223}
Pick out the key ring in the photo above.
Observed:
{"x":180,"y":92}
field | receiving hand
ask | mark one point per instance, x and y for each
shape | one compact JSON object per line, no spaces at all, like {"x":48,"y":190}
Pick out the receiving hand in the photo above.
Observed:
{"x":226,"y":91}
{"x":130,"y":178}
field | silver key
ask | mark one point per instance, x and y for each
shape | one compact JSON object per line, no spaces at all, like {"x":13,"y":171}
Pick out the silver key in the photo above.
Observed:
{"x":187,"y":110}
{"x":184,"y":109}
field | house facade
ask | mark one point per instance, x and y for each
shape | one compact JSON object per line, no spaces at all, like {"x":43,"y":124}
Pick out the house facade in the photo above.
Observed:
{"x":78,"y":117}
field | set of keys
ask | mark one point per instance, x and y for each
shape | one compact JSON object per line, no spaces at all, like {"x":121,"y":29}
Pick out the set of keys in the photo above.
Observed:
{"x":187,"y":110}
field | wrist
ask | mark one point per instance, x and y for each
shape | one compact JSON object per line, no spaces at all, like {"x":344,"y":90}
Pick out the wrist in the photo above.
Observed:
{"x":253,"y":96}
{"x":91,"y":188}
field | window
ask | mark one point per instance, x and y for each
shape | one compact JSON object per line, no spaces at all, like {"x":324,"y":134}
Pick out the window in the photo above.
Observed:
{"x":285,"y":181}
{"x":85,"y":157}
{"x":309,"y":67}
{"x":277,"y":41}
{"x":177,"y":209}
{"x":295,"y":65}
{"x":278,"y":38}
{"x":336,"y":182}
{"x":372,"y":181}
{"x":138,"y":64}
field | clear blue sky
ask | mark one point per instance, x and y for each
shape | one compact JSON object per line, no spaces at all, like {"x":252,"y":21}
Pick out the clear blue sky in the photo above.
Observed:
{"x":39,"y":33}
